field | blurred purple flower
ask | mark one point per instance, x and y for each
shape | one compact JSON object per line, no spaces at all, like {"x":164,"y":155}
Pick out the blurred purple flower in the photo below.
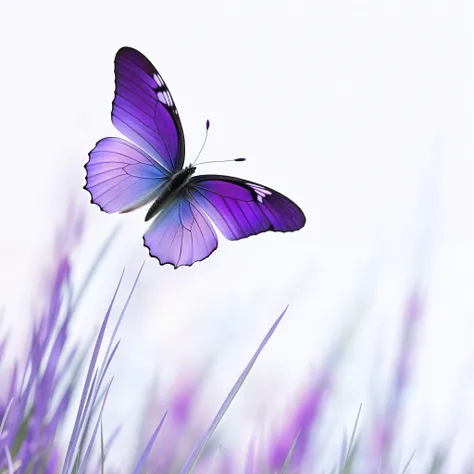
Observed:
{"x":384,"y":433}
{"x":299,"y":424}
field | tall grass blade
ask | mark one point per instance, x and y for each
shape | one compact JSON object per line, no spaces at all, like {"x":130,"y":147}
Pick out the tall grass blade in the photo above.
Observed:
{"x":199,"y":448}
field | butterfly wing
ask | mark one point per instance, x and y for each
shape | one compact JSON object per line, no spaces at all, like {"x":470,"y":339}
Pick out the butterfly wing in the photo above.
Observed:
{"x":144,"y":111}
{"x":181,"y":233}
{"x":241,"y":208}
{"x":121,"y":177}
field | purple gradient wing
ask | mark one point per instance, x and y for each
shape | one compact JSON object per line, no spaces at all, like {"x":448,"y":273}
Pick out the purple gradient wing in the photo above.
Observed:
{"x":242,"y":208}
{"x":121,"y":177}
{"x":181,"y":234}
{"x":144,"y":111}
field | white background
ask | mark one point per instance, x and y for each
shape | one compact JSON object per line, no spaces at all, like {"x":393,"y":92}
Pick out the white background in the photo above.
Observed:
{"x":360,"y":111}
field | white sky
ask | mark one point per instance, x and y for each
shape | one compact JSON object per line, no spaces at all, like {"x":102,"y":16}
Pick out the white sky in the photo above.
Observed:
{"x":360,"y":111}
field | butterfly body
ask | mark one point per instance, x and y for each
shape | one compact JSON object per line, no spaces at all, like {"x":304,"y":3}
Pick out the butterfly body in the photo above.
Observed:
{"x":149,"y":168}
{"x":174,"y":187}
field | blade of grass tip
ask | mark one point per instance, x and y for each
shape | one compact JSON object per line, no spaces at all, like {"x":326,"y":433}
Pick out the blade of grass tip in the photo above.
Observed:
{"x":95,"y":264}
{"x":409,"y":461}
{"x":85,"y":459}
{"x":79,"y":418}
{"x":351,"y":442}
{"x":286,"y":464}
{"x":146,"y":452}
{"x":117,"y":325}
{"x":4,"y":419}
{"x":102,"y":457}
{"x":199,"y":448}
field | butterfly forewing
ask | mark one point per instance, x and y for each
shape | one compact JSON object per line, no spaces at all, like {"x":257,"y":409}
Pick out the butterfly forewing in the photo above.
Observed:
{"x":144,"y":111}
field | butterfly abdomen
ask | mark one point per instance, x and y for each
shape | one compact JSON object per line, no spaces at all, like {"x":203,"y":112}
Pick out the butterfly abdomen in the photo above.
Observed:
{"x":170,"y":191}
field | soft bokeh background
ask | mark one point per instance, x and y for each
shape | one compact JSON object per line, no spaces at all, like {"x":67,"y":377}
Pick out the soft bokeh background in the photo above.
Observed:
{"x":360,"y":111}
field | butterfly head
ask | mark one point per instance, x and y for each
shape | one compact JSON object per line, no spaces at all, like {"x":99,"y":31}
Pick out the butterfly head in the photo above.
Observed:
{"x":190,"y":170}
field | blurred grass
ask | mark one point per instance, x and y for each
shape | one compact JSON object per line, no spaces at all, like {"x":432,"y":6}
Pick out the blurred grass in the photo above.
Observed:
{"x":30,"y":426}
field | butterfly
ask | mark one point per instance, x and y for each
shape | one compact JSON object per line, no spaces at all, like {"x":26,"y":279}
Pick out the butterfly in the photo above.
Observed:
{"x":122,"y":175}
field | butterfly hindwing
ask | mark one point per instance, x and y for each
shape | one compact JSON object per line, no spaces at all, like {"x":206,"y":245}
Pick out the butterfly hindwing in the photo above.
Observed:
{"x":241,"y":208}
{"x":121,"y":177}
{"x":181,"y":234}
{"x":144,"y":111}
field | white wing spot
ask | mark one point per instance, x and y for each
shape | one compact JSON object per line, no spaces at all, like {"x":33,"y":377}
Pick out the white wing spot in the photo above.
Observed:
{"x":161,"y":97}
{"x":158,"y":80}
{"x":260,"y":191}
{"x":165,"y":98}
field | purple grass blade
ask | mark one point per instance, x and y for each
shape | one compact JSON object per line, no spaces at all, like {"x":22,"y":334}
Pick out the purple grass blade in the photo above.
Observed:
{"x":199,"y":448}
{"x":79,"y":419}
{"x":108,"y":361}
{"x":88,"y":452}
{"x":117,"y":325}
{"x":146,"y":452}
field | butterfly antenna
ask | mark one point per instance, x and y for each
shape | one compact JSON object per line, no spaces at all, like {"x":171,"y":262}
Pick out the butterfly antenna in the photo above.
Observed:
{"x":204,"y":142}
{"x":219,"y":161}
{"x":214,"y":161}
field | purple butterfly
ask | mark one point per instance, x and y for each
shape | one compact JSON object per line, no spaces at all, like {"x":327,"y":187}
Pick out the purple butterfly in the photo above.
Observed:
{"x":123,"y":176}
